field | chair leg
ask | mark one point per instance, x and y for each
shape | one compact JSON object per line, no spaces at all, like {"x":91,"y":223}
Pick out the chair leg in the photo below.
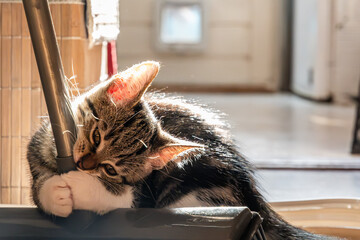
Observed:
{"x":355,"y":149}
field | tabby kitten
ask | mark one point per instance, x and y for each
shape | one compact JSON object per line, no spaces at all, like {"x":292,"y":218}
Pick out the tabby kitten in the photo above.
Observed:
{"x":146,"y":150}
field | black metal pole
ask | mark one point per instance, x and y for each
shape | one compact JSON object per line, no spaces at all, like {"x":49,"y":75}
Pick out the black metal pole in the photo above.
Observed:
{"x":53,"y":80}
{"x":52,"y":77}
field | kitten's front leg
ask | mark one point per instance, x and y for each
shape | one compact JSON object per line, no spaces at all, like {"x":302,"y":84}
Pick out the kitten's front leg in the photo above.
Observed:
{"x":88,"y":193}
{"x":55,"y":197}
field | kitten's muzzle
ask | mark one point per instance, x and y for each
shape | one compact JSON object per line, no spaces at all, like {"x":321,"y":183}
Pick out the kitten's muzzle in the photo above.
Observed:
{"x":87,"y":162}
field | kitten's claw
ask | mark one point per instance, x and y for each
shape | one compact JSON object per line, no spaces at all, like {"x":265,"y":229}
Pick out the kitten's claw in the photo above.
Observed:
{"x":55,"y":197}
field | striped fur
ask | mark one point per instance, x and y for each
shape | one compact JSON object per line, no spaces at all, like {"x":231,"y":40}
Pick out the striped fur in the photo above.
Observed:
{"x":130,"y":135}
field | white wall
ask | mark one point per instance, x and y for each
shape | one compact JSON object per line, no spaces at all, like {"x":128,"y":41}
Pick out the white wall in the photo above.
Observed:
{"x":242,"y":48}
{"x":346,"y":49}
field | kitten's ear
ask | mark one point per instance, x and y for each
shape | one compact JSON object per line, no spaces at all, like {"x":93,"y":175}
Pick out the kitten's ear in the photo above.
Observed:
{"x":129,"y":86}
{"x":172,"y":152}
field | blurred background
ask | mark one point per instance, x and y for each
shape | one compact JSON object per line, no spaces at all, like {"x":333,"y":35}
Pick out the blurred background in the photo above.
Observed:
{"x":286,"y":73}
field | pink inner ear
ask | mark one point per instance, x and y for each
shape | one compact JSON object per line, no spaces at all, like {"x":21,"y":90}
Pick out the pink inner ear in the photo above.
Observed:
{"x":120,"y":89}
{"x":131,"y":84}
{"x":161,"y":158}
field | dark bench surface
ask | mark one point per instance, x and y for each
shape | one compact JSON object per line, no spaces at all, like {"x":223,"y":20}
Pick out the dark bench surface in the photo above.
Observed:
{"x":177,"y":223}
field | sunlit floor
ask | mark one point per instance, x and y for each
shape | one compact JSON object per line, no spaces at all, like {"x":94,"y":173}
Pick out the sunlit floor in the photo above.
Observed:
{"x":284,"y":131}
{"x":289,"y":185}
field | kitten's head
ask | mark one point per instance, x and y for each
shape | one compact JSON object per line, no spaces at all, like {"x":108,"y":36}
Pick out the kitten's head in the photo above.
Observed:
{"x":119,"y":139}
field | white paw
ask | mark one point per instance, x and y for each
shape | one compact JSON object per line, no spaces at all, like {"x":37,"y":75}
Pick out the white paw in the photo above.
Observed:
{"x":84,"y":189}
{"x":55,"y":197}
{"x":88,"y":193}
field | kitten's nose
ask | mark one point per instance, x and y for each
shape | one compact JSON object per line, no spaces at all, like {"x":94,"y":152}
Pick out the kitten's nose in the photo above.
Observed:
{"x":87,"y":162}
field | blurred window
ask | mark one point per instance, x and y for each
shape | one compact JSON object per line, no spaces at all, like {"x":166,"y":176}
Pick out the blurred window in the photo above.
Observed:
{"x":181,"y":24}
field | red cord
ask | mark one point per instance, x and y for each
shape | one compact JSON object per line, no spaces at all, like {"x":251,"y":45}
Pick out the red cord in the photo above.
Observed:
{"x":112,"y":59}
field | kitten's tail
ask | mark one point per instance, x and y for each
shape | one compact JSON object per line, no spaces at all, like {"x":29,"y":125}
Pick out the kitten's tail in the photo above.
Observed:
{"x":278,"y":229}
{"x":275,"y":227}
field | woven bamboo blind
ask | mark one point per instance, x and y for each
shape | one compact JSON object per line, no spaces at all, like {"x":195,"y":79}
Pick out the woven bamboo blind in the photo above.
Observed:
{"x":21,"y":99}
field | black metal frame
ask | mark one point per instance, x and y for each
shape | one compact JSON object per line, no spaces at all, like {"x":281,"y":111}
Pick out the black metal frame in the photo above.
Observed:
{"x":230,"y":223}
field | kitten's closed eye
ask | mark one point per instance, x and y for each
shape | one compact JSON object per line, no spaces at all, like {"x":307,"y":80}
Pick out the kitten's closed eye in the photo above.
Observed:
{"x":110,"y":170}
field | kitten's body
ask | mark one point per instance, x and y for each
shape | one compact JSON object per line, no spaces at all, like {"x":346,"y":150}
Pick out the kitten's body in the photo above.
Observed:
{"x":214,"y":174}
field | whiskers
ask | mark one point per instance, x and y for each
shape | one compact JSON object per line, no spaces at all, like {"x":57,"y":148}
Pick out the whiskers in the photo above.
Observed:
{"x":71,"y":134}
{"x":168,"y":175}
{"x":130,"y":171}
{"x":113,"y":187}
{"x":142,"y":142}
{"x":72,"y":84}
{"x":97,"y":118}
{"x":115,"y":120}
{"x":131,"y":117}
